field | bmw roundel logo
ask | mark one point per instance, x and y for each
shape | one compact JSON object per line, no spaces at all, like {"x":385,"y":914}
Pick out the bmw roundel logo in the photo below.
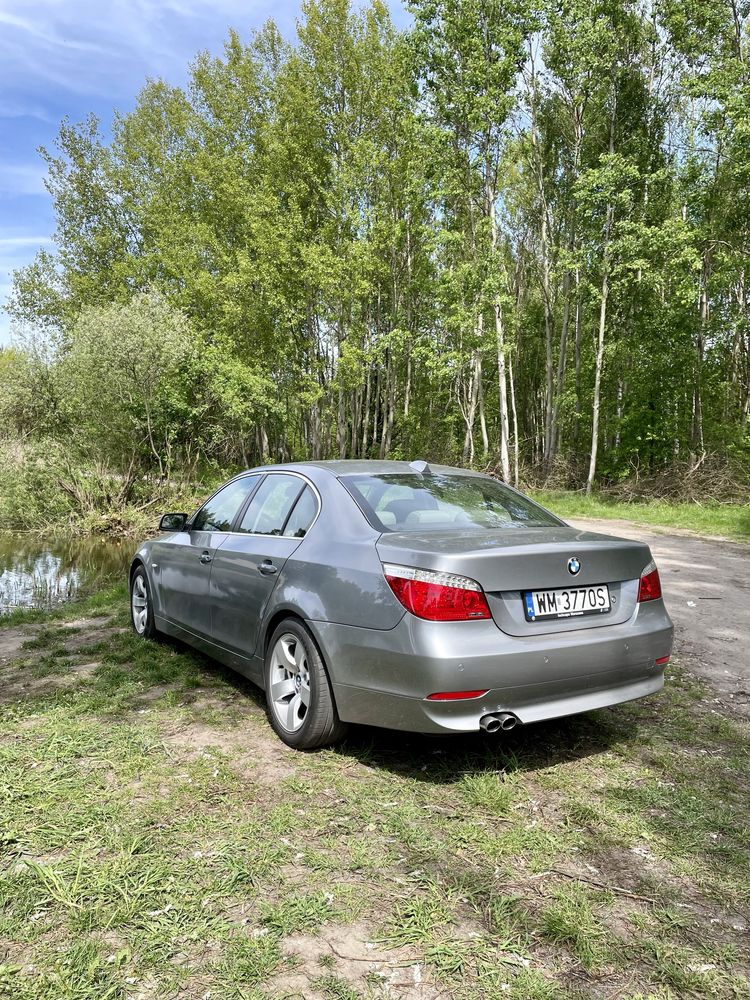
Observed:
{"x":574,"y":566}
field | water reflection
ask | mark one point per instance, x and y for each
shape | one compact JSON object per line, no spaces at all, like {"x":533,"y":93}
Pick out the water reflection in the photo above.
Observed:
{"x":42,"y":572}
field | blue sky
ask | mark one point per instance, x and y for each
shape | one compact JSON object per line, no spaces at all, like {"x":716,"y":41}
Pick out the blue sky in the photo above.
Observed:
{"x":72,"y":57}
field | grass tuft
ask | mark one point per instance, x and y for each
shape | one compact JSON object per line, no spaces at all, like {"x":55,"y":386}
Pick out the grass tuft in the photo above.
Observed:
{"x":571,"y":920}
{"x":298,"y":912}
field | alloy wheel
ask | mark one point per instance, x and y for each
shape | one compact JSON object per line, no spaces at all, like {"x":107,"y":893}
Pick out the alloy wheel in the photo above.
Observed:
{"x":289,"y":693}
{"x":139,"y":603}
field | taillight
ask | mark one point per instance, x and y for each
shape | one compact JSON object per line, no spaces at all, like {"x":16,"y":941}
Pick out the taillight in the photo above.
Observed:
{"x":435,"y":596}
{"x":650,"y":586}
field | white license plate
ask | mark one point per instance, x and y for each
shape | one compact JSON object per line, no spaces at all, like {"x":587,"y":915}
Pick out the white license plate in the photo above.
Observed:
{"x":567,"y":603}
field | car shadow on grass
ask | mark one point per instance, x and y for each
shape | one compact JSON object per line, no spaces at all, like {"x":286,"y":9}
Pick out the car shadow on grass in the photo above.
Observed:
{"x":427,"y":758}
{"x":446,"y":759}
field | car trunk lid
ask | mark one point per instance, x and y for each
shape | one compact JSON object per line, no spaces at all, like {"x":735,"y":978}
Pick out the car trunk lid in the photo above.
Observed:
{"x":511,"y":561}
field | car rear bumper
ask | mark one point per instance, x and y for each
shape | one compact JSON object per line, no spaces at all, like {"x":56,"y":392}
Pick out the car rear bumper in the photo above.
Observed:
{"x":383,"y":678}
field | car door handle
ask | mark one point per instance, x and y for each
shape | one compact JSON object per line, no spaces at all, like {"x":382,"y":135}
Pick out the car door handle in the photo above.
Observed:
{"x":206,"y":557}
{"x":267,"y":568}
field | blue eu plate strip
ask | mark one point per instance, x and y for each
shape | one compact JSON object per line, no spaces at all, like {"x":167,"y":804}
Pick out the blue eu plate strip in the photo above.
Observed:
{"x":529,"y":605}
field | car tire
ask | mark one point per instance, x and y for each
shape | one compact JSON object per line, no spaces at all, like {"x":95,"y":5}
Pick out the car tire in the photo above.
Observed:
{"x":141,"y":605}
{"x":301,"y":711}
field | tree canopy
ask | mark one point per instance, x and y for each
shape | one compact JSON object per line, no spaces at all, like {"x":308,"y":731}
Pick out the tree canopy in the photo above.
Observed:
{"x":514,"y":235}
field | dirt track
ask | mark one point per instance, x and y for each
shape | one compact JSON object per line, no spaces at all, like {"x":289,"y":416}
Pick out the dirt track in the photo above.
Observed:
{"x":706,"y":584}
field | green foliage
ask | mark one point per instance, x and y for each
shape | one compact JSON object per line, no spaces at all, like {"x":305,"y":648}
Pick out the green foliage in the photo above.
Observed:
{"x":122,"y":380}
{"x":513,"y":235}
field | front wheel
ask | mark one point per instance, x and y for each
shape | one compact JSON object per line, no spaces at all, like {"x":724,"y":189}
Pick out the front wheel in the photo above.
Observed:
{"x":298,"y":693}
{"x":141,"y":605}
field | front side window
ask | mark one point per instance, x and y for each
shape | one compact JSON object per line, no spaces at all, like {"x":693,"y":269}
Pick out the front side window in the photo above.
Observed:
{"x":404,"y":502}
{"x":271,"y":505}
{"x":218,"y":513}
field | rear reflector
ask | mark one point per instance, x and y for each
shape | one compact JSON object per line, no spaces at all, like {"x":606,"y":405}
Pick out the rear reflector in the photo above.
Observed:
{"x":455,"y":695}
{"x":662,"y":661}
{"x":650,"y":585}
{"x":437,"y":597}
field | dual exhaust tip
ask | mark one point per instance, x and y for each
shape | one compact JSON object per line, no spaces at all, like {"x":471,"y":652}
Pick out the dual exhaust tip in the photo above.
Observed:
{"x":495,"y":721}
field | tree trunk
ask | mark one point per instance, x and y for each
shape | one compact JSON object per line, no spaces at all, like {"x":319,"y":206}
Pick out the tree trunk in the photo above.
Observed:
{"x":376,"y":407}
{"x":366,"y":416}
{"x":470,"y":412}
{"x":618,"y":415}
{"x":356,"y":420}
{"x":500,"y":345}
{"x":697,"y":442}
{"x":554,"y":433}
{"x":407,"y":388}
{"x":515,"y":419}
{"x":503,"y":394}
{"x":263,"y":443}
{"x":482,"y":416}
{"x":578,"y":334}
{"x":388,"y":407}
{"x":602,"y":317}
{"x":315,"y":431}
{"x":600,"y":355}
{"x":341,"y":423}
{"x":548,"y":331}
{"x":563,"y":349}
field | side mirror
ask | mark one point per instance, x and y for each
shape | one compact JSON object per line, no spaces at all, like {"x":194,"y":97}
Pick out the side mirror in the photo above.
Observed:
{"x":173,"y":522}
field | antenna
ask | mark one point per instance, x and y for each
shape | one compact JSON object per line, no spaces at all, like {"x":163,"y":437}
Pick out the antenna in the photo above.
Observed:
{"x":420,"y":467}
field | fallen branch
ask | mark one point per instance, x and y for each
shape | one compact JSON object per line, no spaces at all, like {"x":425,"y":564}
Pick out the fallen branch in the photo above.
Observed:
{"x":599,"y":885}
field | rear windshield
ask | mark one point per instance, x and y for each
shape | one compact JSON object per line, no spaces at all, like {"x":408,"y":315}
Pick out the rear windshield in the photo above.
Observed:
{"x":433,"y":502}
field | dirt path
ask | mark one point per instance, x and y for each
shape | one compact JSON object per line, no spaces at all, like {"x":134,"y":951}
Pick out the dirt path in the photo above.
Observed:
{"x":706,"y":585}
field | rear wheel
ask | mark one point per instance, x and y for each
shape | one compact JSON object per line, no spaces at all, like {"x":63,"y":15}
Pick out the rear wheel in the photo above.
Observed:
{"x":141,"y":605}
{"x":298,"y":693}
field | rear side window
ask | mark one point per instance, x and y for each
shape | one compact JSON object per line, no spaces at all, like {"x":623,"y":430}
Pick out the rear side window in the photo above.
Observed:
{"x":303,"y":515}
{"x":404,"y":502}
{"x":271,"y":505}
{"x":219,"y":511}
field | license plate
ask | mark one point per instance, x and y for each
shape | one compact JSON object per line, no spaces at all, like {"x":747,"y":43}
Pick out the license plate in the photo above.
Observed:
{"x":568,"y":603}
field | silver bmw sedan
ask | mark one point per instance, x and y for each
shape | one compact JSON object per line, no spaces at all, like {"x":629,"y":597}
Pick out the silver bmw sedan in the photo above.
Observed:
{"x":405,"y":595}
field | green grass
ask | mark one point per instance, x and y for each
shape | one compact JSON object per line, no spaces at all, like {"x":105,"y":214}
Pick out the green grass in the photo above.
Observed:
{"x":156,"y":840}
{"x":95,"y":604}
{"x":727,"y":520}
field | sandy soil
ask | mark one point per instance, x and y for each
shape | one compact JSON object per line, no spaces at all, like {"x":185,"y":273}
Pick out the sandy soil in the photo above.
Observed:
{"x":706,"y":584}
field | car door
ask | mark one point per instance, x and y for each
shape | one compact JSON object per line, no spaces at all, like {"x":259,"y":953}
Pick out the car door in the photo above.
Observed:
{"x":247,"y":566}
{"x":184,"y":559}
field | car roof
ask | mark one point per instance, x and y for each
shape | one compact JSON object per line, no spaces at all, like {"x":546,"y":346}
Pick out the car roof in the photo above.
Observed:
{"x":356,"y":466}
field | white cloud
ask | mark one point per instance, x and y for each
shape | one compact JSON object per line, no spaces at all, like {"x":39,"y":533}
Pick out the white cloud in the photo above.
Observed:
{"x":24,"y":109}
{"x":21,"y":178}
{"x":85,"y":47}
{"x":49,"y":38}
{"x":11,"y":242}
{"x":15,"y":252}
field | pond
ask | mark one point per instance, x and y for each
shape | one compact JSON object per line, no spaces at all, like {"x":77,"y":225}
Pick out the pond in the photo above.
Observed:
{"x":42,"y":572}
